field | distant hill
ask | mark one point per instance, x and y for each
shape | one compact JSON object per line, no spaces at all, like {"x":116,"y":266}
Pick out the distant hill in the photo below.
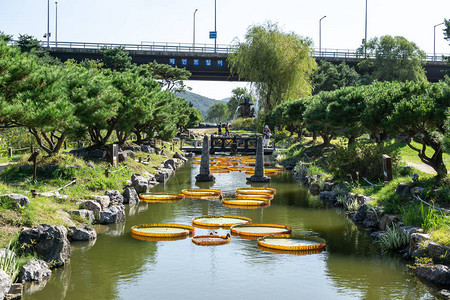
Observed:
{"x":199,"y":102}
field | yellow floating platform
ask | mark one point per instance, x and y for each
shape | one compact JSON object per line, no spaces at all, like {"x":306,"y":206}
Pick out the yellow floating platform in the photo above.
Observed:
{"x":298,"y":253}
{"x":161,"y":197}
{"x":162,"y":230}
{"x":246,"y":201}
{"x":259,"y":230}
{"x":256,"y":196}
{"x":201,"y":192}
{"x":211,"y":240}
{"x":287,"y":242}
{"x":256,"y":190}
{"x":218,"y":221}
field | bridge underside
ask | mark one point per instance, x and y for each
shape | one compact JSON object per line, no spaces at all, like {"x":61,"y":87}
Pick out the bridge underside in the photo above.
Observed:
{"x":207,"y":66}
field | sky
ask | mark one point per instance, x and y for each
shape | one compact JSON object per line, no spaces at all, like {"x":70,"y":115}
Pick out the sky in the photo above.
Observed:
{"x":136,"y":21}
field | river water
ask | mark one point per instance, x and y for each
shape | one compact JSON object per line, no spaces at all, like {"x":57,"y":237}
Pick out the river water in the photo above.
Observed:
{"x":117,"y":266}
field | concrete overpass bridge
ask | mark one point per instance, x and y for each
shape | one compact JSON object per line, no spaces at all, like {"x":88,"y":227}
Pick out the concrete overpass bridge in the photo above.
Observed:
{"x":206,"y":62}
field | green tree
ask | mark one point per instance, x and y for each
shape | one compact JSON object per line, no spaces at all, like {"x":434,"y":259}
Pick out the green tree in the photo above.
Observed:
{"x":218,"y":112}
{"x":329,"y":76}
{"x":393,"y":59}
{"x":116,"y":58}
{"x":195,"y":117}
{"x":170,"y":77}
{"x":5,"y":37}
{"x":278,"y":64}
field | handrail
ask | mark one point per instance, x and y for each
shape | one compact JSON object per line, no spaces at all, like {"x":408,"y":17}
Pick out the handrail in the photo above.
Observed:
{"x":210,"y":48}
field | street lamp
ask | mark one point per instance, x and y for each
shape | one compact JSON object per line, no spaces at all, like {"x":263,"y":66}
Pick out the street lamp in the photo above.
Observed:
{"x":215,"y":26}
{"x":56,"y":25}
{"x":434,"y":40}
{"x":48,"y":24}
{"x":193,"y":40}
{"x":320,"y":35}
{"x":365,"y":34}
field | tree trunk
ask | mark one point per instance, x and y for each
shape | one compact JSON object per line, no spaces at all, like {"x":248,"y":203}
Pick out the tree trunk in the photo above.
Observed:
{"x":436,"y":161}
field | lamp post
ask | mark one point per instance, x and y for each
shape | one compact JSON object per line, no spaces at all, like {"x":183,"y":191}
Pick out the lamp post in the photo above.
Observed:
{"x":365,"y":34}
{"x":56,"y":24}
{"x":215,"y":26}
{"x":48,"y":24}
{"x":434,"y":40}
{"x":320,"y":35}
{"x":193,"y":40}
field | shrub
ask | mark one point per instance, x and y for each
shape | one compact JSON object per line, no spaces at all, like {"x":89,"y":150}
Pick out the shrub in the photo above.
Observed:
{"x":425,"y":217}
{"x":10,"y":263}
{"x":361,"y":159}
{"x":395,"y":238}
{"x":243,"y":123}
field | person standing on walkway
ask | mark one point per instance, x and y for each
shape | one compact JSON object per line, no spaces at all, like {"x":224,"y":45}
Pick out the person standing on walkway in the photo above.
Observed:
{"x":227,"y":129}
{"x":219,"y":128}
{"x":266,"y":136}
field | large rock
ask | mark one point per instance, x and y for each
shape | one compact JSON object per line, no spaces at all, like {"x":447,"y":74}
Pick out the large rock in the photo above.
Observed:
{"x":436,"y":274}
{"x":361,"y":214}
{"x":402,"y":189}
{"x":18,"y":199}
{"x":361,"y":199}
{"x":35,"y":270}
{"x":328,"y":197}
{"x":85,"y":214}
{"x":103,"y":200}
{"x":114,"y":196}
{"x":418,"y":243}
{"x":113,"y":214}
{"x":147,"y":149}
{"x":439,"y":253}
{"x":5,"y":283}
{"x":15,"y":292}
{"x":49,"y":243}
{"x":83,"y":233}
{"x":170,"y":163}
{"x":163,"y":175}
{"x":139,"y":183}
{"x":92,"y":205}
{"x":314,"y":189}
{"x":180,"y":156}
{"x":444,"y":294}
{"x":130,"y":196}
{"x":389,"y":220}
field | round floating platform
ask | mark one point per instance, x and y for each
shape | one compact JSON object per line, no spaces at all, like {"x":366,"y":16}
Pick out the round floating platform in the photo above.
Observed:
{"x":259,"y":230}
{"x":161,"y":197}
{"x":211,"y":240}
{"x":157,"y":239}
{"x":298,"y":253}
{"x":201,"y":192}
{"x":246,"y":202}
{"x":162,"y":230}
{"x":219,"y":169}
{"x":287,"y":242}
{"x":256,"y":191}
{"x":218,"y":221}
{"x":247,"y":206}
{"x":256,"y":196}
{"x":266,"y":172}
{"x":196,"y":162}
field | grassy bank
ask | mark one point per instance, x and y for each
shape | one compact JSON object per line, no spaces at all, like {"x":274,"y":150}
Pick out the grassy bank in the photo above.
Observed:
{"x":91,"y":179}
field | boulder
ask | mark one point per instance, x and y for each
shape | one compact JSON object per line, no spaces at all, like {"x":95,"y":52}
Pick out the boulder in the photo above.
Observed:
{"x":132,"y":148}
{"x":328,"y":186}
{"x":49,"y":243}
{"x":439,"y":253}
{"x":113,"y":214}
{"x":371,"y":221}
{"x":18,"y":199}
{"x":35,"y":270}
{"x":360,"y":214}
{"x":402,"y":189}
{"x":139,"y":183}
{"x":5,"y":283}
{"x":90,"y":164}
{"x":444,"y":294}
{"x":83,"y":233}
{"x":65,"y":217}
{"x":130,"y":196}
{"x":147,"y":149}
{"x":103,"y":200}
{"x":114,"y":196}
{"x":92,"y":205}
{"x":418,"y":243}
{"x":314,"y":189}
{"x":361,"y":199}
{"x":170,"y":162}
{"x":436,"y":274}
{"x":328,"y":196}
{"x":180,"y":156}
{"x":97,"y":154}
{"x":389,"y":220}
{"x":163,"y":175}
{"x":416,"y":190}
{"x":84,"y":214}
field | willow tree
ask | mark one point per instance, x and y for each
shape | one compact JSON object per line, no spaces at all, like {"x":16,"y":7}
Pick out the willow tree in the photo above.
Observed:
{"x":278,"y":64}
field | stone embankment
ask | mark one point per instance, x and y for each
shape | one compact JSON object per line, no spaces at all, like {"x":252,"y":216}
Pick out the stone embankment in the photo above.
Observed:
{"x":51,"y":244}
{"x":434,"y":259}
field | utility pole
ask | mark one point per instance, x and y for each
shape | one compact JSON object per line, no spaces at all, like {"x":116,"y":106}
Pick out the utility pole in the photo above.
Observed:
{"x":56,"y":25}
{"x":215,"y":25}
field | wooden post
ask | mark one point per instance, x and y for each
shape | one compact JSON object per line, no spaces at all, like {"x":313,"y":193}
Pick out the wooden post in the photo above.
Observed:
{"x":140,"y":159}
{"x":10,"y":152}
{"x":181,"y":144}
{"x":387,"y":168}
{"x":74,"y":178}
{"x":107,"y":172}
{"x":114,"y":154}
{"x":31,"y":148}
{"x":79,"y":144}
{"x":33,"y":193}
{"x":65,"y":145}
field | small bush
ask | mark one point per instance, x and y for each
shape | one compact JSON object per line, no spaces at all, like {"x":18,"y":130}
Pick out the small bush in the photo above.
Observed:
{"x":280,"y":135}
{"x":425,"y":217}
{"x":361,"y":159}
{"x":395,"y":238}
{"x":10,"y":263}
{"x":243,"y":123}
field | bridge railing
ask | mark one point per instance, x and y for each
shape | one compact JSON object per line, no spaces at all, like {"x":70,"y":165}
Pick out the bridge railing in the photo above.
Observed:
{"x":210,"y":48}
